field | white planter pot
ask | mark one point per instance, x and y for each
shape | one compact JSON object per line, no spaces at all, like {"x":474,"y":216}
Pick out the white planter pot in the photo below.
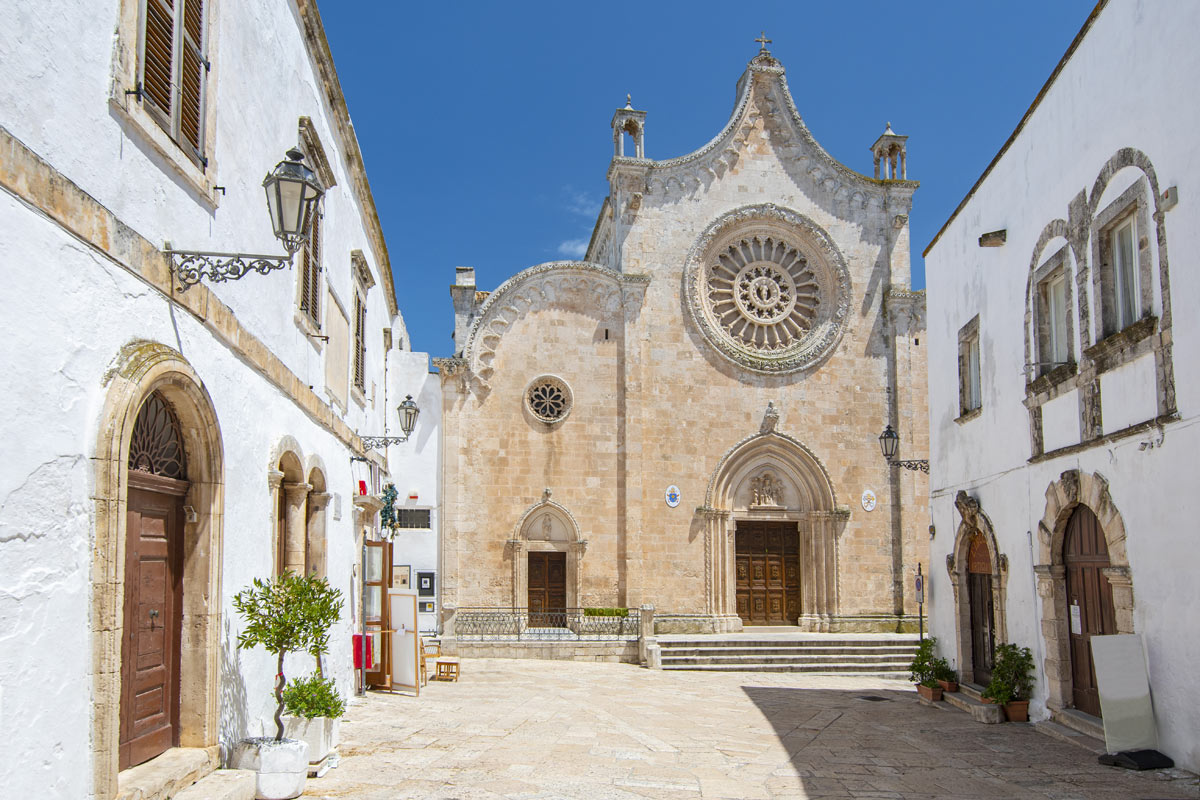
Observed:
{"x":282,"y":766}
{"x":321,"y":733}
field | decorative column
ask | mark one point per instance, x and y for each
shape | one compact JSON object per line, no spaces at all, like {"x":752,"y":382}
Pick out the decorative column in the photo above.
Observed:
{"x":275,"y":483}
{"x":1122,"y":595}
{"x":314,"y":561}
{"x":516,"y":551}
{"x":1052,"y":589}
{"x":295,"y":497}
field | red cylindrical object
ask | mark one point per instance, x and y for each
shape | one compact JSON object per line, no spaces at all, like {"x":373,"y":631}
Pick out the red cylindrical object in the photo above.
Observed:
{"x":358,"y":651}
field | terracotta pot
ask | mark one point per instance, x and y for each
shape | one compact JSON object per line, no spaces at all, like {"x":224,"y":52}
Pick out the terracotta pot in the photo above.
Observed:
{"x":1017,"y":710}
{"x":929,"y":692}
{"x":948,"y":686}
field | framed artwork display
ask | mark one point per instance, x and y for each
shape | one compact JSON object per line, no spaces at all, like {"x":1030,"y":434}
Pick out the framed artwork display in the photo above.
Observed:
{"x":401,"y":576}
{"x":425,"y":606}
{"x":425,"y":584}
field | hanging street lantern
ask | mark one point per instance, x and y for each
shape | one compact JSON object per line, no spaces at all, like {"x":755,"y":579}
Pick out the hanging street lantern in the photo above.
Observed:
{"x":293,"y":191}
{"x":889,"y":443}
{"x":408,"y":412}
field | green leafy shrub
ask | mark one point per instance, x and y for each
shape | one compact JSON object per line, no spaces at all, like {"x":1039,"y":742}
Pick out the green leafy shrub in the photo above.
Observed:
{"x":313,"y":697}
{"x":1012,"y":675}
{"x":387,"y":515}
{"x":606,"y":612}
{"x":921,"y":670}
{"x":942,"y":671}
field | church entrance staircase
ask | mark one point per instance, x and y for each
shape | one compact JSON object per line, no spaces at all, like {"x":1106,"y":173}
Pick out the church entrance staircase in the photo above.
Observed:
{"x":787,"y":650}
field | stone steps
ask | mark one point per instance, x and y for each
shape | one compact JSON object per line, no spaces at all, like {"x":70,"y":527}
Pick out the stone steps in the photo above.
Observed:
{"x":968,"y":699}
{"x":888,"y":657}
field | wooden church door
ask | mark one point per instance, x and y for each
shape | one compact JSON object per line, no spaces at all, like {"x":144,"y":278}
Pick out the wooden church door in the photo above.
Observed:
{"x":979,"y":583}
{"x":547,"y":592}
{"x":1089,"y":602}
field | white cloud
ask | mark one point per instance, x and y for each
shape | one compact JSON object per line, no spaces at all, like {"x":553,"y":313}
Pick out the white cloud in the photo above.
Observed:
{"x":575,"y":248}
{"x":580,"y":203}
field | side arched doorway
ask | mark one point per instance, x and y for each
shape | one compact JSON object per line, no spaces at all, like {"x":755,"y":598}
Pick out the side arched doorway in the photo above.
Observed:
{"x":978,"y":576}
{"x":979,"y":590}
{"x":1089,"y":602}
{"x":547,"y":555}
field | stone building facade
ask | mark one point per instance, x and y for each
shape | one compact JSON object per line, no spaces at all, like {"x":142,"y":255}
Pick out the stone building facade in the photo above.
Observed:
{"x":1063,"y":425}
{"x":167,"y":445}
{"x":689,"y":416}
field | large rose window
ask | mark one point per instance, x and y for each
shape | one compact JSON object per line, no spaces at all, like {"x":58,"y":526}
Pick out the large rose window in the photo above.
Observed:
{"x":768,"y":289}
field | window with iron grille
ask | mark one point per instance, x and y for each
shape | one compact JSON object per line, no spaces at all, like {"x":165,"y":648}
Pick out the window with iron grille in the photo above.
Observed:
{"x":310,"y":275}
{"x":360,"y":343}
{"x":173,"y":70}
{"x":412,"y":518}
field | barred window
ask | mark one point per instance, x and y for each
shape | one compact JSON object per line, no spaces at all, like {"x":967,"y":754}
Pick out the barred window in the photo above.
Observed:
{"x":173,"y":70}
{"x":412,"y":518}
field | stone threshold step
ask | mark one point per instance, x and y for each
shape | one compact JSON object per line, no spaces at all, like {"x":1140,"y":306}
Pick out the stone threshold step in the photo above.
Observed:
{"x":988,"y":713}
{"x":780,"y":642}
{"x":1065,"y":734}
{"x":894,"y":663}
{"x":814,"y":670}
{"x":1080,"y":722}
{"x":766,"y":653}
{"x":882,"y":649}
{"x":223,"y":784}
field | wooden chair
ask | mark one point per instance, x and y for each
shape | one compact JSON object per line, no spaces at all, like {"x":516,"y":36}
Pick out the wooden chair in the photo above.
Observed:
{"x":429,"y":650}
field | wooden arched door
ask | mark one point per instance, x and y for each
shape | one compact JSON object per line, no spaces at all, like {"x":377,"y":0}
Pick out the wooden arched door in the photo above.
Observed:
{"x":1089,"y":602}
{"x":150,"y":640}
{"x":979,"y":586}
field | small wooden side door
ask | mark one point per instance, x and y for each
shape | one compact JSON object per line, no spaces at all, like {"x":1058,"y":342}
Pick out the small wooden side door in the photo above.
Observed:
{"x":547,"y":589}
{"x":152,"y":620}
{"x":1089,"y":603}
{"x":979,"y":590}
{"x":377,"y":579}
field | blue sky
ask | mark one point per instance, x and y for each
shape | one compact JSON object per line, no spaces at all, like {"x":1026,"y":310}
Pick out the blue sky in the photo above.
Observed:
{"x":485,"y":126}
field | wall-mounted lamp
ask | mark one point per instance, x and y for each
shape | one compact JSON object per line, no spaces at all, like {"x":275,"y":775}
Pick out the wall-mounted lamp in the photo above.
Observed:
{"x":293,"y":191}
{"x":889,"y":443}
{"x":407,"y":412}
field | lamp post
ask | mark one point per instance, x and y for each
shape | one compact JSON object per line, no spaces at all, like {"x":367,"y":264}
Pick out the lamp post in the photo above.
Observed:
{"x":293,"y":192}
{"x":889,"y":443}
{"x":407,"y":412}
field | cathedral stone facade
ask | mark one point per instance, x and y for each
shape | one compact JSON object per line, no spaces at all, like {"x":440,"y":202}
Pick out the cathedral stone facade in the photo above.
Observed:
{"x":688,"y":418}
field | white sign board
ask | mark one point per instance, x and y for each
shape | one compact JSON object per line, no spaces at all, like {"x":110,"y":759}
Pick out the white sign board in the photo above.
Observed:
{"x":1124,"y":693}
{"x":405,"y":647}
{"x":1076,"y":621}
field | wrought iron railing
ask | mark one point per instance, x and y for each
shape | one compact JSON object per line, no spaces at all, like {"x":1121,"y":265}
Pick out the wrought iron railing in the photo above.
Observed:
{"x":562,"y":624}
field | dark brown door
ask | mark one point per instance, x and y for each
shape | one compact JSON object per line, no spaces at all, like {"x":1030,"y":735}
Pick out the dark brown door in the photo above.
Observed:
{"x":153,"y":603}
{"x":1089,"y":602}
{"x":767,"y":573}
{"x":979,"y":588}
{"x":547,"y":590}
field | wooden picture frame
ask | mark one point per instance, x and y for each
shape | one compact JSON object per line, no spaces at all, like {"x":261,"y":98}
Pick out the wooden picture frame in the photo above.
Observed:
{"x":401,"y":576}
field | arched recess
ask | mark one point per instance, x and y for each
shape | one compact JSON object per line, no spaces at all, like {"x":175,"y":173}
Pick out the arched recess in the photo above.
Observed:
{"x":140,"y":369}
{"x":315,"y":544}
{"x":1075,"y":488}
{"x":289,"y":500}
{"x":975,"y":525}
{"x":802,"y":497}
{"x":546,"y":527}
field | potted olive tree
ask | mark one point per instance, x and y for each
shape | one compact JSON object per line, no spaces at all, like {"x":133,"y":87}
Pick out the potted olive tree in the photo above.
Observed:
{"x":312,"y":703}
{"x":923,"y":670}
{"x":279,"y":616}
{"x":1012,"y":681}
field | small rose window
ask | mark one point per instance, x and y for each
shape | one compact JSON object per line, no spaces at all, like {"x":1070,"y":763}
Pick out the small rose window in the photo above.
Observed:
{"x":548,"y":399}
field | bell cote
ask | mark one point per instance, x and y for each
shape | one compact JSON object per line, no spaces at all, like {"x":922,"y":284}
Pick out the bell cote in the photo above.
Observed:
{"x":629,"y":121}
{"x":889,"y":149}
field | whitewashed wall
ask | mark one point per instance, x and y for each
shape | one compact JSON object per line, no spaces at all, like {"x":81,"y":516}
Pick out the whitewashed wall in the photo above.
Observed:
{"x":415,"y":468}
{"x":1131,"y":83}
{"x":68,"y":310}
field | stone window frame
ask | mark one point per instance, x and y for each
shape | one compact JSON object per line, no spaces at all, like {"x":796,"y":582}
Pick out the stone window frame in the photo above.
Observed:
{"x":1131,"y":204}
{"x":968,"y":339}
{"x":1056,"y":267}
{"x":126,"y":69}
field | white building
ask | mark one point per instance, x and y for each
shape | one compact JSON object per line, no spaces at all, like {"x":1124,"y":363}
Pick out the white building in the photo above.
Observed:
{"x":198,"y":437}
{"x":1064,"y":391}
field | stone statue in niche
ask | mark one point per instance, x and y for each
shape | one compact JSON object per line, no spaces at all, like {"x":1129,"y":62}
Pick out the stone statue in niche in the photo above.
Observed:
{"x":766,"y":490}
{"x":547,"y":527}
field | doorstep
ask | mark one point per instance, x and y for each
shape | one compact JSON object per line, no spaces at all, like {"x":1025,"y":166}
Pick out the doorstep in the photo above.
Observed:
{"x":224,"y":784}
{"x":1065,"y":734}
{"x":166,"y":775}
{"x":969,"y":699}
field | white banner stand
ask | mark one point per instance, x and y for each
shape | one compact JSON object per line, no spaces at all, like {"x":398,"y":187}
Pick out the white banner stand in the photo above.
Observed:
{"x":406,"y":645}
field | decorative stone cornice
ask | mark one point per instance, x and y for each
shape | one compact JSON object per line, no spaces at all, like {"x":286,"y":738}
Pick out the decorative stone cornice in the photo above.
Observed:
{"x":589,"y":288}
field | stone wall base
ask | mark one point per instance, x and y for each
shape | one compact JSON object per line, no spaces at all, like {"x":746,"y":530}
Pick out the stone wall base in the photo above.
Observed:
{"x":623,"y":652}
{"x":696,"y":623}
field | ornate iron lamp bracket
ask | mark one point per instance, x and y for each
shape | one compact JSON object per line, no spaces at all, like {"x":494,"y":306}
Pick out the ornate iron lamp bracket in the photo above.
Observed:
{"x":189,"y":266}
{"x":375,"y":442}
{"x":913,"y":464}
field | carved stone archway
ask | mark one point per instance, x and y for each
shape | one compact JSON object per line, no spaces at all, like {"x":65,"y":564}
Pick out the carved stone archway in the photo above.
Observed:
{"x":1075,"y":488}
{"x":546,"y":526}
{"x":800,"y":493}
{"x":140,"y":369}
{"x":975,"y":522}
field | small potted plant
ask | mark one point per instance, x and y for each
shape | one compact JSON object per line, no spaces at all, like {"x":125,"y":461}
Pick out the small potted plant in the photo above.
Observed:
{"x":1012,"y":681}
{"x":922,"y":672}
{"x":313,"y":704}
{"x":279,"y":616}
{"x":946,"y":677}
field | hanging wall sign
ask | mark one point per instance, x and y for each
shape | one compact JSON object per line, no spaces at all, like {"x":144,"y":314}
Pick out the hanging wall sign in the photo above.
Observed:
{"x":672,"y":495}
{"x":868,"y":500}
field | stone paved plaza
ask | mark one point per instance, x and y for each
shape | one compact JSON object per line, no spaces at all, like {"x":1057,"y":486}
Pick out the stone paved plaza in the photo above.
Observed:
{"x":544,"y":730}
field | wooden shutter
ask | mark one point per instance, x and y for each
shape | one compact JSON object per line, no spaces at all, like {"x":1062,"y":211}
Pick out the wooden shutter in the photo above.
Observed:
{"x":310,"y":274}
{"x":191,"y":82}
{"x":360,"y":325}
{"x":158,"y":56}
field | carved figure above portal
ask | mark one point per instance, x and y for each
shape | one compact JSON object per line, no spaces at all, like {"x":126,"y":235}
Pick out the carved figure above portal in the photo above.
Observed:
{"x":768,"y":288}
{"x":766,"y":490}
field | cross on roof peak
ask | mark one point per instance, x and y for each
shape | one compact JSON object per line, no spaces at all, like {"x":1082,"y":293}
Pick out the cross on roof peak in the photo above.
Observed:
{"x":763,"y":41}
